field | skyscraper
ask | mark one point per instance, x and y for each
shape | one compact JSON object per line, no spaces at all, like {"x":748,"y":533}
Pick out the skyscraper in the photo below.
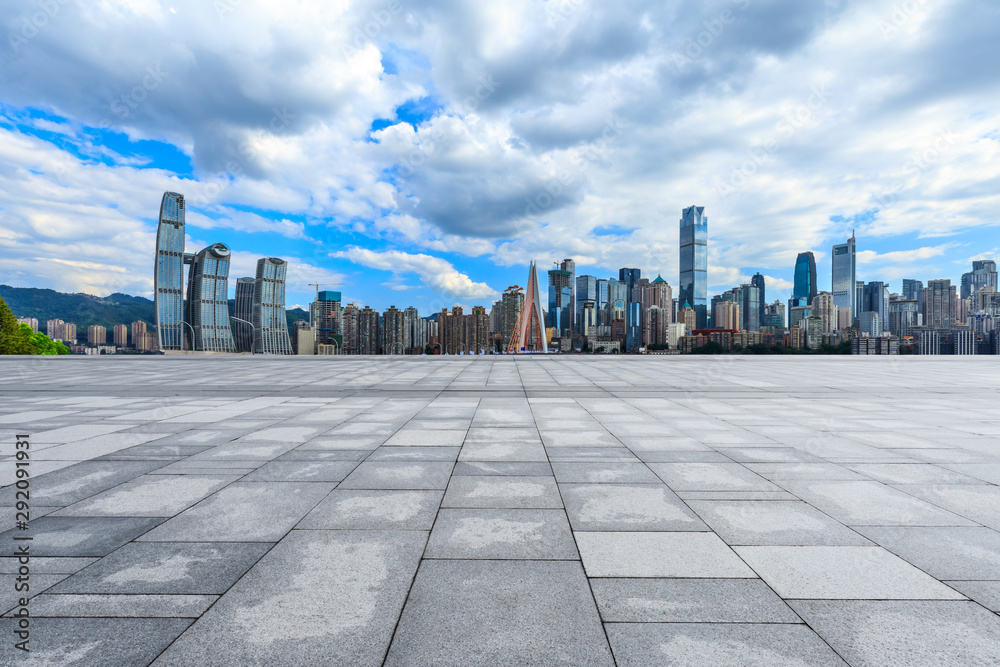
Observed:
{"x":530,"y":331}
{"x":368,"y":331}
{"x":513,"y":301}
{"x":570,"y":266}
{"x":586,"y":290}
{"x":940,"y":303}
{"x":477,"y":331}
{"x":352,"y":343}
{"x":758,"y":281}
{"x":694,"y":262}
{"x":822,"y":307}
{"x":414,"y":331}
{"x":804,"y":290}
{"x":208,"y":300}
{"x":560,"y":301}
{"x":629,"y":277}
{"x":168,"y":273}
{"x":243,"y":310}
{"x":325,"y":314}
{"x":983,"y":274}
{"x":269,"y":317}
{"x":845,"y":275}
{"x":393,"y":331}
{"x":875,"y":299}
{"x":121,"y":335}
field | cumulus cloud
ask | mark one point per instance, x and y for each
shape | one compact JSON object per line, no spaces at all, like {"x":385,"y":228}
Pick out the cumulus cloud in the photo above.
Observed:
{"x":434,"y":272}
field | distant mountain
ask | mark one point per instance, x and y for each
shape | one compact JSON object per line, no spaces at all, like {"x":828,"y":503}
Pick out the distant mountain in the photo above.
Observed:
{"x":84,"y":310}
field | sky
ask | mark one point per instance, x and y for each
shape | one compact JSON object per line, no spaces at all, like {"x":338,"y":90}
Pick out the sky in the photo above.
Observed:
{"x":422,"y":153}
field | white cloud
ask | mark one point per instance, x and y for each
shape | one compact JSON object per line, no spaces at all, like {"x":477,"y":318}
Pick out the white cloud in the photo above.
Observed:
{"x":434,"y":272}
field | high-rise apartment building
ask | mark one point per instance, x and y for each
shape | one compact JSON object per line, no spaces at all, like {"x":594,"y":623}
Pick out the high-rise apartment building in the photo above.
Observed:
{"x":452,"y":331}
{"x":758,"y":281}
{"x":656,"y":325}
{"x":414,"y":331}
{"x":208,"y":300}
{"x":774,"y":317}
{"x":477,"y":331}
{"x":512,"y":303}
{"x":983,"y":274}
{"x":269,"y":317}
{"x":56,"y":329}
{"x":31,"y":322}
{"x":168,"y":273}
{"x":940,"y":303}
{"x":845,"y":276}
{"x":805,"y":289}
{"x":352,"y":342}
{"x":586,"y":290}
{"x":324,"y":313}
{"x":393,"y":331}
{"x":138,"y":337}
{"x":822,"y":307}
{"x":97,"y":335}
{"x":904,"y":314}
{"x":726,"y":315}
{"x":694,"y":262}
{"x":913,"y":290}
{"x":368,"y":331}
{"x":121,"y":335}
{"x":69,"y":332}
{"x":243,"y":311}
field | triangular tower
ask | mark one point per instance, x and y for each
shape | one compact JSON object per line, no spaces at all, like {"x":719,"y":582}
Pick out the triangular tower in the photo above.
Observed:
{"x":530,"y":320}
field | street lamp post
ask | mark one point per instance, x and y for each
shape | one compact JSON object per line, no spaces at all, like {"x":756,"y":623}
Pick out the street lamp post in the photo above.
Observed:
{"x":253,"y":331}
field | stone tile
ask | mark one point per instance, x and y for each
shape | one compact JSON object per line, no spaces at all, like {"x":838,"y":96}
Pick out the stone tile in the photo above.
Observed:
{"x":503,"y":451}
{"x":602,"y":507}
{"x":668,"y":456}
{"x":121,"y":606}
{"x":302,"y":471}
{"x":842,"y":573}
{"x":604,"y":472}
{"x":911,"y":473}
{"x":78,"y":481}
{"x":502,"y":468}
{"x":338,"y":594}
{"x":591,"y":454}
{"x":375,"y":510}
{"x":244,"y":512}
{"x":65,"y":536}
{"x":385,"y":453}
{"x":777,"y":472}
{"x":692,"y":555}
{"x":300,"y":454}
{"x":502,"y":492}
{"x":501,"y":534}
{"x":917,"y":633}
{"x":689,"y":601}
{"x":736,"y":495}
{"x":166,"y":568}
{"x":150,"y":495}
{"x":943,"y":552}
{"x":769,"y":455}
{"x":427,"y":438}
{"x":978,"y":502}
{"x":710,"y":477}
{"x":399,"y":475}
{"x":986,"y":593}
{"x":872,"y":504}
{"x":93,"y":642}
{"x":762,"y":522}
{"x":499,"y":613}
{"x":690,"y":644}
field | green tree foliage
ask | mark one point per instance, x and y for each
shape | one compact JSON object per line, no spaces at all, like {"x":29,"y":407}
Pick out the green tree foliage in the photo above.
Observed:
{"x":12,"y":338}
{"x":39,"y":343}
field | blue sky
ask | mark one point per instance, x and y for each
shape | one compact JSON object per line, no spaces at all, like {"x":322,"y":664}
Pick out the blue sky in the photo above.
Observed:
{"x":421,"y":153}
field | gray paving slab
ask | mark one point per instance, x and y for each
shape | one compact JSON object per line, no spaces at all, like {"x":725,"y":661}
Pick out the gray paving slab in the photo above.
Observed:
{"x":318,"y":597}
{"x":765,"y":522}
{"x":689,"y":601}
{"x":873,"y":504}
{"x":166,"y":568}
{"x":690,"y":555}
{"x":386,"y":453}
{"x":920,"y":633}
{"x":73,"y":537}
{"x":502,"y":468}
{"x":501,"y":534}
{"x":631,"y":507}
{"x":609,"y":472}
{"x":500,"y":613}
{"x":710,"y":645}
{"x":150,"y":495}
{"x":374,"y":510}
{"x":711,"y":477}
{"x":121,"y":606}
{"x":81,"y":480}
{"x":986,"y":593}
{"x":302,"y":471}
{"x":502,"y":492}
{"x":399,"y":475}
{"x":943,"y":552}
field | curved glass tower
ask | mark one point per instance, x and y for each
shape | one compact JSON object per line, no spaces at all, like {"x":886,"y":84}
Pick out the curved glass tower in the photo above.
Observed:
{"x":269,"y":318}
{"x":804,"y":290}
{"x":168,"y":273}
{"x":694,"y":262}
{"x":208,"y":300}
{"x":244,"y":311}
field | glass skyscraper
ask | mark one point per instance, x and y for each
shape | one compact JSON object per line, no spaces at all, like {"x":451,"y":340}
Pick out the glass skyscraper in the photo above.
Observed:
{"x":570,"y":266}
{"x":269,"y":318}
{"x":208,"y":300}
{"x":244,"y":310}
{"x":804,"y":290}
{"x":560,"y":302}
{"x":845,"y":276}
{"x":694,"y":262}
{"x":168,"y":273}
{"x":629,"y":277}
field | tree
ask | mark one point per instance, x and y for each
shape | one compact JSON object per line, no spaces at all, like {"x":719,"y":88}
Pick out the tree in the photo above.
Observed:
{"x":12,"y":338}
{"x":39,"y":343}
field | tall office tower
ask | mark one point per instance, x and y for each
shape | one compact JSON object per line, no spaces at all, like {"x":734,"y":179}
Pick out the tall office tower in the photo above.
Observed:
{"x":168,"y":273}
{"x":822,"y":307}
{"x":414,"y":331}
{"x":633,"y":326}
{"x":629,"y":278}
{"x":243,"y":310}
{"x":845,"y":275}
{"x":774,"y":317}
{"x":97,"y":335}
{"x":208,"y":300}
{"x":750,"y":306}
{"x":560,"y":302}
{"x":603,"y":294}
{"x":513,"y":302}
{"x":270,"y":320}
{"x":637,"y":289}
{"x":138,"y":329}
{"x":586,"y":290}
{"x":903,"y":316}
{"x":726,"y":315}
{"x":871,"y":323}
{"x":55,"y":329}
{"x":875,"y":298}
{"x":799,"y":313}
{"x":913,"y":290}
{"x":987,"y":300}
{"x":352,"y":343}
{"x":30,"y":321}
{"x":393,"y":331}
{"x":477,"y":331}
{"x":368,"y":331}
{"x":588,"y":319}
{"x":844,"y":319}
{"x":694,"y":262}
{"x":758,"y":281}
{"x":940,"y":303}
{"x":805,"y":279}
{"x":324,"y":313}
{"x":983,"y":274}
{"x":656,"y":323}
{"x":570,"y":266}
{"x":496,"y":319}
{"x":529,"y":334}
{"x":121,"y":335}
{"x":69,"y":331}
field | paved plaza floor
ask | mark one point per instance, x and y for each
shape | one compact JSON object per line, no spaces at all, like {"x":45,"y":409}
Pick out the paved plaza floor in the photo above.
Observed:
{"x":540,"y":510}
